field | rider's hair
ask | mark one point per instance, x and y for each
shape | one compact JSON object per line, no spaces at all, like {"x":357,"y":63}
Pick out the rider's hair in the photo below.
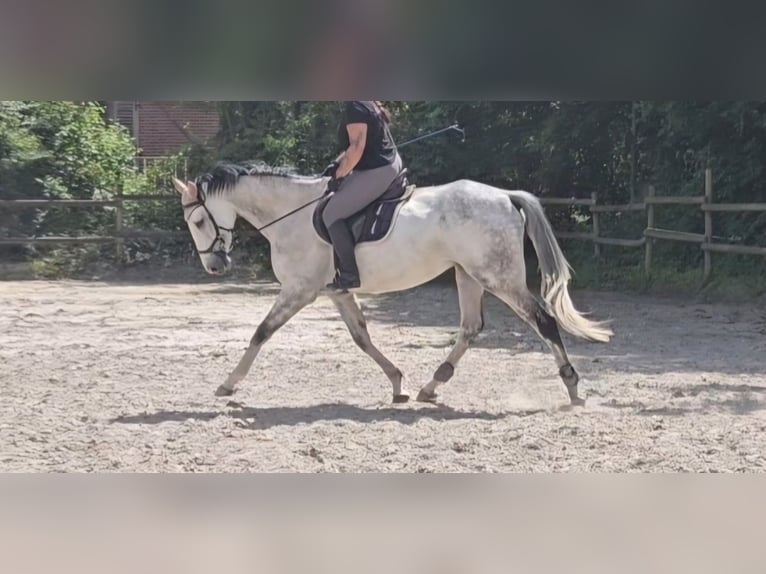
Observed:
{"x":383,"y":111}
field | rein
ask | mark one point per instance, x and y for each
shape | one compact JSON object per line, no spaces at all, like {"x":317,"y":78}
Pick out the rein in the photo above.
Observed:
{"x":296,"y":210}
{"x":453,"y":127}
{"x":218,"y":239}
{"x":201,"y":201}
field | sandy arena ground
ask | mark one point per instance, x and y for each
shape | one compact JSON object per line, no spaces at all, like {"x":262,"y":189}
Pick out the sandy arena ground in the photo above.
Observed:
{"x":117,"y":377}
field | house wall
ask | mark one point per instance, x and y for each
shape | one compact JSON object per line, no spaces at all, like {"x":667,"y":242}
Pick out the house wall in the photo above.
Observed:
{"x":163,"y":128}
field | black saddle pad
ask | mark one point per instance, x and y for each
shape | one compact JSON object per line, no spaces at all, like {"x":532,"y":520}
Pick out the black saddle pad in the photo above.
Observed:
{"x":374,"y":221}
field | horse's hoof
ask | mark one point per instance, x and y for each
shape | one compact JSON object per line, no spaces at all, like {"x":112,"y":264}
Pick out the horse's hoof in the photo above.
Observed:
{"x":399,"y":399}
{"x":577,"y":402}
{"x":223,"y":391}
{"x":426,"y":397}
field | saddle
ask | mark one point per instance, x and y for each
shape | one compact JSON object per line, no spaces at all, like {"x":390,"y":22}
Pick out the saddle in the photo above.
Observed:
{"x":373,"y":222}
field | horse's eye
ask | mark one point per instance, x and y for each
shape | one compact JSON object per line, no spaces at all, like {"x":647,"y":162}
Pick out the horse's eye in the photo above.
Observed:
{"x":199,"y":223}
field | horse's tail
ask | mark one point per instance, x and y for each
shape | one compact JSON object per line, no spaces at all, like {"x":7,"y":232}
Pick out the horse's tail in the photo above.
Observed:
{"x":555,"y":270}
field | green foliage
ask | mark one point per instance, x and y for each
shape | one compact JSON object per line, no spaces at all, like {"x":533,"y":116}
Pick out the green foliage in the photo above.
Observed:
{"x":17,"y":144}
{"x":63,"y":149}
{"x":299,"y":134}
{"x":60,"y":150}
{"x":87,"y":158}
{"x":161,"y":214}
{"x":559,"y":149}
{"x":66,"y":150}
{"x":20,"y":154}
{"x":61,"y":263}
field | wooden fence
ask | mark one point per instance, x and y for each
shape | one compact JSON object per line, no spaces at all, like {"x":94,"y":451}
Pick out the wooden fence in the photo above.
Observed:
{"x":651,"y":233}
{"x":650,"y":204}
{"x":118,"y":236}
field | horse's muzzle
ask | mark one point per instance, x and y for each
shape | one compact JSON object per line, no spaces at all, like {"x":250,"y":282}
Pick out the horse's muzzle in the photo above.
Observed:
{"x":218,"y":263}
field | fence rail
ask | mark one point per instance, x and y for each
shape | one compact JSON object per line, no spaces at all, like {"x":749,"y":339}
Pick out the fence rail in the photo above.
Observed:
{"x":83,"y":202}
{"x":650,"y":235}
{"x":618,"y":208}
{"x":674,"y":200}
{"x":58,"y":202}
{"x":734,"y":207}
{"x":122,"y":235}
{"x":671,"y":235}
{"x":180,"y":165}
{"x":118,"y":236}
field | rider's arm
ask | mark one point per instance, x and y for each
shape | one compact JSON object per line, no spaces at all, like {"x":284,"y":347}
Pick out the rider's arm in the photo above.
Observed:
{"x":357,"y":136}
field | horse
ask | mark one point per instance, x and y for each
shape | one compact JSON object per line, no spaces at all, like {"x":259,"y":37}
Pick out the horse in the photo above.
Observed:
{"x":474,"y":228}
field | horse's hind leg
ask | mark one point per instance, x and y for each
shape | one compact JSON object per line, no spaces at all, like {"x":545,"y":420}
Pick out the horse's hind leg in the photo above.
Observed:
{"x":519,"y":298}
{"x":470,"y":294}
{"x":352,"y":315}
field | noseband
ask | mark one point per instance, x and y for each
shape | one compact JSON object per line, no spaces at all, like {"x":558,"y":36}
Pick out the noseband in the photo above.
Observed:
{"x":218,"y":239}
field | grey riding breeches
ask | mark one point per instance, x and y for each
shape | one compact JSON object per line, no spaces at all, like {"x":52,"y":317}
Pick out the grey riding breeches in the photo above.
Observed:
{"x":358,"y":190}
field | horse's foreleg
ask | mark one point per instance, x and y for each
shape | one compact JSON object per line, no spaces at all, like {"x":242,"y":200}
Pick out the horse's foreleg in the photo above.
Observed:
{"x":470,"y":293}
{"x":352,"y":315}
{"x":285,"y":307}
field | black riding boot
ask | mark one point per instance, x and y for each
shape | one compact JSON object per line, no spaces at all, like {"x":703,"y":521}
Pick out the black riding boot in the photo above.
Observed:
{"x":347,"y":276}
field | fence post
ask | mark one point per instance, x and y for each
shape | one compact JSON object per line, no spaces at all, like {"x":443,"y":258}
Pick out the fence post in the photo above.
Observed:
{"x":118,"y":242}
{"x":633,"y":152}
{"x":708,"y":224}
{"x":594,"y":215}
{"x":649,"y":223}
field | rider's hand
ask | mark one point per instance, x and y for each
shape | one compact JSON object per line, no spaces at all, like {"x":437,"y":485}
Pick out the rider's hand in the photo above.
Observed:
{"x":334,"y":184}
{"x":331,"y":169}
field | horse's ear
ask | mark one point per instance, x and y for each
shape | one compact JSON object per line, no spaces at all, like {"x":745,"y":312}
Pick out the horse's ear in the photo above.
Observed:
{"x":192,"y":190}
{"x":180,"y":186}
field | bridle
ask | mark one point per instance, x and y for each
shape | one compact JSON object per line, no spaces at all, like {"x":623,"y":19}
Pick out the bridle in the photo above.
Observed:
{"x":218,"y":238}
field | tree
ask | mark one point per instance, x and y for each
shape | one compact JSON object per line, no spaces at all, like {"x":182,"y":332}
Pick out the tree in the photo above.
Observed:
{"x":60,"y":150}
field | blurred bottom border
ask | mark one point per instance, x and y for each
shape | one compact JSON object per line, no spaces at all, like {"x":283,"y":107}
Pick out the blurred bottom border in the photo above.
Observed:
{"x":380,"y":523}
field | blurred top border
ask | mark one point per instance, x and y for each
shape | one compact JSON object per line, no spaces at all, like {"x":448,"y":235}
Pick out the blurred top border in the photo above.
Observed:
{"x":381,"y":49}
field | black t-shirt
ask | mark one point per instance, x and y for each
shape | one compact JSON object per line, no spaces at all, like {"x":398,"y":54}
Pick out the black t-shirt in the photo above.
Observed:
{"x":379,"y":149}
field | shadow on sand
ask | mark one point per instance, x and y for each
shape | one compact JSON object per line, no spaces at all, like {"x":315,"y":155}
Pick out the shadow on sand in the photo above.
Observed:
{"x":258,"y":418}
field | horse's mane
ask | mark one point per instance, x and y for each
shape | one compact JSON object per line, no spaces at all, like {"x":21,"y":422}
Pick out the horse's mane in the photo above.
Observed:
{"x":226,"y":175}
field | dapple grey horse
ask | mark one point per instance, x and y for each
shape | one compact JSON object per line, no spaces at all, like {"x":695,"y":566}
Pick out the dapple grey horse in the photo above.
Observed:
{"x":477,"y":229}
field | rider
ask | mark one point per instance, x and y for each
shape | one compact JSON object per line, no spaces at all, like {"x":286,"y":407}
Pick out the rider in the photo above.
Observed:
{"x":360,"y":174}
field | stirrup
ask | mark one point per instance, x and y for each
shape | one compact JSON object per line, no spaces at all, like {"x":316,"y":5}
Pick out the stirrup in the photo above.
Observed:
{"x":340,"y":286}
